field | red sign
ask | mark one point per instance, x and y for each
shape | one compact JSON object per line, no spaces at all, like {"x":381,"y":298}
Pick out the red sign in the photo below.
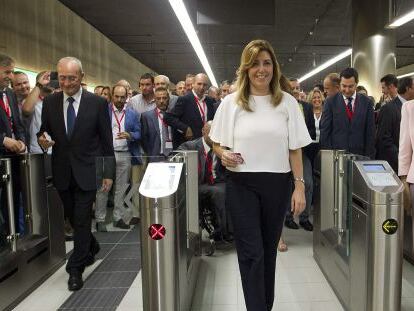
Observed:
{"x":156,"y":231}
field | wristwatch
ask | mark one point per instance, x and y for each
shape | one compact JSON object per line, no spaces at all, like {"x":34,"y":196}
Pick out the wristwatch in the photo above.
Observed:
{"x":299,"y":179}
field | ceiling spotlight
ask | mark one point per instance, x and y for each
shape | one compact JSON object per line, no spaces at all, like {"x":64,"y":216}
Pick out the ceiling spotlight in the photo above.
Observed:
{"x":290,"y":59}
{"x":311,"y":33}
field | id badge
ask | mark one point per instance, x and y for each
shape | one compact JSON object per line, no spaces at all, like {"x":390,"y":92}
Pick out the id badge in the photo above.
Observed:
{"x":168,"y":145}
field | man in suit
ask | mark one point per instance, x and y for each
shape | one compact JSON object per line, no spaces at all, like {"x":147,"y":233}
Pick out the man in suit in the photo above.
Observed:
{"x":307,"y":112}
{"x":156,"y":133}
{"x":347,"y":121}
{"x":126,"y":133}
{"x":211,"y":185}
{"x":191,"y":112}
{"x":164,"y":81}
{"x":76,"y":123}
{"x":12,"y":138}
{"x":331,"y":84}
{"x":389,"y":119}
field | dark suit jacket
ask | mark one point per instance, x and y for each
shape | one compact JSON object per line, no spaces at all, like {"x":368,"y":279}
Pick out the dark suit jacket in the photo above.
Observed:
{"x":338,"y":132}
{"x":310,"y":124}
{"x":5,"y":130}
{"x":186,"y":114}
{"x":197,"y":144}
{"x":91,"y":139}
{"x":150,"y":138}
{"x":388,"y":132}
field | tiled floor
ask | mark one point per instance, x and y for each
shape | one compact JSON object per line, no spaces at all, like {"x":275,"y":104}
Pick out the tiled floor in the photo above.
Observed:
{"x":300,"y":285}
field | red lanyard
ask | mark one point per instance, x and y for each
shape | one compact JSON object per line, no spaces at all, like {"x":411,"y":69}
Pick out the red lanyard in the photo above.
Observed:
{"x":159,"y":115}
{"x":202,"y":109}
{"x":118,"y":120}
{"x":4,"y":103}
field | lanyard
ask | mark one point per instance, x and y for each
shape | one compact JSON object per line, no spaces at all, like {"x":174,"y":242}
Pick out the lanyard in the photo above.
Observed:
{"x":118,"y":120}
{"x":202,"y":109}
{"x":161,"y":118}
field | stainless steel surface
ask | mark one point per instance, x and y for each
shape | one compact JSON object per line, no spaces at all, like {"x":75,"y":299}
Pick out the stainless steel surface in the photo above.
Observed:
{"x":408,"y":237}
{"x":361,"y":262}
{"x":41,"y":251}
{"x":170,"y":265}
{"x":383,"y":266}
{"x":373,"y":46}
{"x":34,"y":193}
{"x":8,"y":178}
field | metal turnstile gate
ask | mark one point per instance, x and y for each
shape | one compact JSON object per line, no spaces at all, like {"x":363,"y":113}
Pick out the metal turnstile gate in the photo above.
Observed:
{"x":359,"y":230}
{"x":169,"y":240}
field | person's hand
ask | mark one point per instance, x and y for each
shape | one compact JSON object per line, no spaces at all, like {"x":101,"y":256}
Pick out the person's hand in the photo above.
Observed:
{"x":124,"y":135}
{"x":22,"y":146}
{"x":106,"y":185}
{"x":228,"y":159}
{"x":298,"y":199}
{"x":189,"y":134}
{"x":11,"y":144}
{"x":44,"y":79}
{"x":44,"y":142}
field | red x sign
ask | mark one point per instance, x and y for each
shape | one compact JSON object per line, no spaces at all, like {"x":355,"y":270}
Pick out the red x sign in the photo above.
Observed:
{"x":156,"y":231}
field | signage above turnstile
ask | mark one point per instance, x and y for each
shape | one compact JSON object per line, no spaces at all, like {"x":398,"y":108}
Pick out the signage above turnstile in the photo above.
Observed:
{"x":160,"y":179}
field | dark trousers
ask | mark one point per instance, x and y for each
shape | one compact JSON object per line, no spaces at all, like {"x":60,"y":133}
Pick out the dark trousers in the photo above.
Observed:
{"x":257,"y":203}
{"x":215,"y":195}
{"x":78,"y":207}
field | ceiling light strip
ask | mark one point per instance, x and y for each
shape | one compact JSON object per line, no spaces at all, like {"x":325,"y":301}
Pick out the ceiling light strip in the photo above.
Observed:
{"x":406,"y":75}
{"x":326,"y":65}
{"x":402,"y":20}
{"x":183,"y":17}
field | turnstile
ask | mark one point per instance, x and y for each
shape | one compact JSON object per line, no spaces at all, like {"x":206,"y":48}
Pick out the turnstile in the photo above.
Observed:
{"x":358,"y":230}
{"x":169,"y":241}
{"x":30,"y":254}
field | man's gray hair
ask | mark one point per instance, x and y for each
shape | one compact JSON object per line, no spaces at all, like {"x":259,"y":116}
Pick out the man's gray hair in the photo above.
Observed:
{"x":165,"y":78}
{"x":6,"y":60}
{"x":71,"y":59}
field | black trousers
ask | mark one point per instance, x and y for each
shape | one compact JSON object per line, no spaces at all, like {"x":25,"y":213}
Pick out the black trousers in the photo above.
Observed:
{"x":257,"y":204}
{"x":78,"y":208}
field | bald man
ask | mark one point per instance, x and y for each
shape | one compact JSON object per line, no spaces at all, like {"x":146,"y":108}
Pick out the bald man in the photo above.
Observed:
{"x":74,"y":154}
{"x":191,"y":112}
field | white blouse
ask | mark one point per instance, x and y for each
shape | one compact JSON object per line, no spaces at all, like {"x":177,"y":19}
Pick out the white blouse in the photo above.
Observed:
{"x":262,"y":137}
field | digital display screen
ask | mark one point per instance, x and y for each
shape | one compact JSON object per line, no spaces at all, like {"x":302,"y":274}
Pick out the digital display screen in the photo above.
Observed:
{"x":374,"y":167}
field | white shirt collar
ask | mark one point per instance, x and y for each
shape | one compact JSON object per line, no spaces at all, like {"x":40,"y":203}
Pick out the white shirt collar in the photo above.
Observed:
{"x":206,"y":147}
{"x":116,"y":109}
{"x":403,"y":100}
{"x":353,"y":96}
{"x":76,"y":96}
{"x":200,"y":99}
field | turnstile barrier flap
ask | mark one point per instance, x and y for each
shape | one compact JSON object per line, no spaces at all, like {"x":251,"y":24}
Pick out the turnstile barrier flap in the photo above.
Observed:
{"x":161,"y":179}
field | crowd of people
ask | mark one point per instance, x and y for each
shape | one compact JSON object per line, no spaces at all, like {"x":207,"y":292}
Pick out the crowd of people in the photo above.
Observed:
{"x":257,"y":138}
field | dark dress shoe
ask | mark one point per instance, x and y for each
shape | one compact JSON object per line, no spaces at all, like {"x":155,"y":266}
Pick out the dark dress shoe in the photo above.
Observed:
{"x":306,"y":225}
{"x":75,"y":281}
{"x":291,"y":224}
{"x":121,"y":224}
{"x":134,"y":221}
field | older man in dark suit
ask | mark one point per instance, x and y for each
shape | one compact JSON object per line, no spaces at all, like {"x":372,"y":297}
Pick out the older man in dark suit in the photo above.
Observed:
{"x":347,"y":121}
{"x":156,"y":134}
{"x":191,"y":112}
{"x":76,"y":123}
{"x":389,"y":119}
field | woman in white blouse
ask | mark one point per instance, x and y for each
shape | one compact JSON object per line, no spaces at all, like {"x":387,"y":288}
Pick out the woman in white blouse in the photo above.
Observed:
{"x":316,"y":98}
{"x":258,"y":133}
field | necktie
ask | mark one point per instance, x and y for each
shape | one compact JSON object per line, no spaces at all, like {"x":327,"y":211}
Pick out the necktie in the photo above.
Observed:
{"x":349,"y":104}
{"x":209,"y":168}
{"x":70,"y":117}
{"x":5,"y":106}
